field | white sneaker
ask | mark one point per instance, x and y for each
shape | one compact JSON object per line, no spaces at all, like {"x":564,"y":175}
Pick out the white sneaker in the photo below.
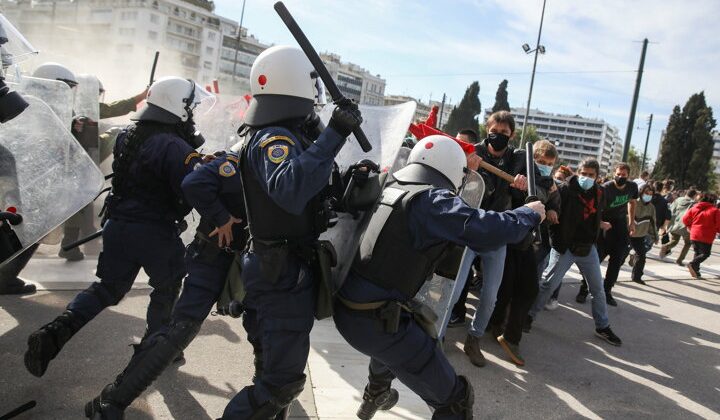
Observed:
{"x":552,"y":305}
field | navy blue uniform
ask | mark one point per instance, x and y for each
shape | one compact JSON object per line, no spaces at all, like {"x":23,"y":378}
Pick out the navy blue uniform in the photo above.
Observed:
{"x":142,"y":230}
{"x":410,"y":354}
{"x":291,"y":174}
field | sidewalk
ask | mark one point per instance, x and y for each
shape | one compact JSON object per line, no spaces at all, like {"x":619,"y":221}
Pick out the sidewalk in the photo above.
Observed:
{"x":667,"y":367}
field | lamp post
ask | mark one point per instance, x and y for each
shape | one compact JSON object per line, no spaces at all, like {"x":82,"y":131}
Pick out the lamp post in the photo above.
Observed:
{"x":539,"y":49}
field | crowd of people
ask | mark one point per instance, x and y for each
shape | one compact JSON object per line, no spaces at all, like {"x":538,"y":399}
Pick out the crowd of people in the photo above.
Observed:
{"x":264,"y":206}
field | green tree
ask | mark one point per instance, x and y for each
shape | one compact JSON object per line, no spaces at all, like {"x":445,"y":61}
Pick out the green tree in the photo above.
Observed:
{"x":501,"y":98}
{"x":635,"y":161}
{"x":531,"y":135}
{"x":687,"y":149}
{"x":465,"y":114}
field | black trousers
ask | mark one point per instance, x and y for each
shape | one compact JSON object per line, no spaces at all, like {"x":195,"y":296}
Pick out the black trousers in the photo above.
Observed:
{"x":702,"y":252}
{"x":638,"y":245}
{"x":616,"y":245}
{"x":517,"y":293}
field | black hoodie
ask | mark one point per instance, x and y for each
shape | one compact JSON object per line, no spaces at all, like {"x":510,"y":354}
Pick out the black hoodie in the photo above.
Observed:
{"x":580,"y":216}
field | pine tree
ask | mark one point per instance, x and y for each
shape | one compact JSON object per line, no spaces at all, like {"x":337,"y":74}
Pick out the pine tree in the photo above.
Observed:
{"x":687,"y":149}
{"x":465,"y":114}
{"x":501,"y":98}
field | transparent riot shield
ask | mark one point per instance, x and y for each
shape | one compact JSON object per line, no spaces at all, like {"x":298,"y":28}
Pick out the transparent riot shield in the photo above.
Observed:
{"x":385,"y":127}
{"x":219,"y":123}
{"x":56,"y":94}
{"x":441,"y":293}
{"x":51,"y":175}
{"x":87,"y":114}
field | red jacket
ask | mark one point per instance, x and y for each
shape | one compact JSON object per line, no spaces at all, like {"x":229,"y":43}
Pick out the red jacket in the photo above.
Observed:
{"x":703,"y":222}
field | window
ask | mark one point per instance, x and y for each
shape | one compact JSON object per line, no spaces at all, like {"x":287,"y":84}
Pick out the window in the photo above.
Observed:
{"x":128,"y":15}
{"x":152,"y":35}
{"x":154,"y":18}
{"x":207,"y":65}
{"x":209,"y":50}
{"x":126,"y":31}
{"x":211,"y":36}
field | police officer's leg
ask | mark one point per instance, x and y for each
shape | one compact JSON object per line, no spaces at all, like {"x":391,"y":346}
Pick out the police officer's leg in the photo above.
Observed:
{"x":9,"y":281}
{"x":164,"y":263}
{"x":254,"y":335}
{"x":203,"y":285}
{"x":117,"y":269}
{"x":285,"y":310}
{"x":378,"y":394}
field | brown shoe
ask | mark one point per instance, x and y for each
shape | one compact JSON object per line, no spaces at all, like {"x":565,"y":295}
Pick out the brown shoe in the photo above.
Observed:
{"x":692,"y":271}
{"x":513,"y":350}
{"x":472,"y":349}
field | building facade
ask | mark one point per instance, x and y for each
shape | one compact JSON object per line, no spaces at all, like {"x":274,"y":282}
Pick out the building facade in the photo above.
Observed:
{"x":575,"y":137}
{"x":355,"y":82}
{"x":716,"y":152}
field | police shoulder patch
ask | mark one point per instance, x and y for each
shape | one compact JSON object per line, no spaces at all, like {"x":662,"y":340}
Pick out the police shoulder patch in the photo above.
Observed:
{"x":191,"y":156}
{"x":277,"y":153}
{"x":276,"y":138}
{"x":227,"y":169}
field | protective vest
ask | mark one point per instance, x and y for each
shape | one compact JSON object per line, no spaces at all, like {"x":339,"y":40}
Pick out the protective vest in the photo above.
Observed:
{"x":387,"y":256}
{"x":269,"y":222}
{"x":134,"y":181}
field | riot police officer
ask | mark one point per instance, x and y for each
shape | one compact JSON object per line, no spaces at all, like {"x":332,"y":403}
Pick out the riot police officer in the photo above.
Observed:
{"x":418,"y":219}
{"x":144,"y":209}
{"x":286,"y":163}
{"x":215,"y":191}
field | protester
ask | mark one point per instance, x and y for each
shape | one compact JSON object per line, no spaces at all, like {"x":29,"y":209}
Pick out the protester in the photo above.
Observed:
{"x":703,"y":222}
{"x":677,"y":229}
{"x":645,"y":221}
{"x":573,"y":241}
{"x":640,"y":182}
{"x":621,"y":199}
{"x":662,"y":209}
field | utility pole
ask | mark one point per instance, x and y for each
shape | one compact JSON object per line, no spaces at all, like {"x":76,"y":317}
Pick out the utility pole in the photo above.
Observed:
{"x":532,"y":78}
{"x":440,"y":115}
{"x":633,"y":108}
{"x":239,"y":37}
{"x":642,"y":167}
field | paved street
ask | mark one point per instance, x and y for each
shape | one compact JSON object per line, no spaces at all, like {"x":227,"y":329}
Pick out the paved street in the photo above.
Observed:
{"x":668,"y":366}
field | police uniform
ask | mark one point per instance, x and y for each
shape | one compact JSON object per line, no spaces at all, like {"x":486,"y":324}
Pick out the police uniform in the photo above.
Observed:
{"x":142,"y":231}
{"x":405,"y":240}
{"x":215,"y":191}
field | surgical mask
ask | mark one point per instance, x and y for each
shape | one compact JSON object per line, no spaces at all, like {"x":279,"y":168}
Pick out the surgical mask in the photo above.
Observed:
{"x":646,"y":197}
{"x":545,"y":170}
{"x":498,"y":141}
{"x":620,"y":180}
{"x":585,"y":182}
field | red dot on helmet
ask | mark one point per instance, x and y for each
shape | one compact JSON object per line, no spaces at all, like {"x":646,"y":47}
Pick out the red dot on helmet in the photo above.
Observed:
{"x":262,"y":80}
{"x":12,"y":210}
{"x":429,"y":145}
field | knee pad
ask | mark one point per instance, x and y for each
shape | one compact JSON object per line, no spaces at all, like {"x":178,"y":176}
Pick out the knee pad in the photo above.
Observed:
{"x":280,"y":398}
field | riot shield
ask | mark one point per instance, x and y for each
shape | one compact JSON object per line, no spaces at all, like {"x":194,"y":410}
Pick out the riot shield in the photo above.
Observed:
{"x":385,"y":127}
{"x":58,"y":95}
{"x":52,"y":176}
{"x":87,"y":114}
{"x":219,"y":123}
{"x":440,"y":293}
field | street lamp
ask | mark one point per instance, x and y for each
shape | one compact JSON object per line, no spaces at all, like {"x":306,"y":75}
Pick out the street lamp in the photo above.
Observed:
{"x":539,"y":49}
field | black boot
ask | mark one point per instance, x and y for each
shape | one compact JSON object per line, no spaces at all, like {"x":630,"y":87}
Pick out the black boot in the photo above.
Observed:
{"x":378,"y":395}
{"x":152,"y":356}
{"x":463,"y":405}
{"x":45,"y":343}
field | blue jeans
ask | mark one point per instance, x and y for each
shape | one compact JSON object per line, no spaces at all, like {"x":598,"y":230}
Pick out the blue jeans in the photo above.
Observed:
{"x":493,"y":265}
{"x":589,"y":266}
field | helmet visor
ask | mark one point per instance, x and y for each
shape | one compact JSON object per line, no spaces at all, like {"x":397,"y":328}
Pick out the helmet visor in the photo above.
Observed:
{"x":14,"y":48}
{"x":200,"y":101}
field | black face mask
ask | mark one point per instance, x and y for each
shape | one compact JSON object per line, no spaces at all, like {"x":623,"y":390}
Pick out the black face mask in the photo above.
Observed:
{"x":498,"y":141}
{"x":190,"y":134}
{"x":620,"y":180}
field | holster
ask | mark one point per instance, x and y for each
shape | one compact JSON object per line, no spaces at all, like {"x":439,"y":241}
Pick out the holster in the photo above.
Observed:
{"x":424,"y":316}
{"x":321,"y":258}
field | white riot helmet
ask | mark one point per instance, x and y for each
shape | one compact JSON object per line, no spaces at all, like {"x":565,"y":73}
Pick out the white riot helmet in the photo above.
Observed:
{"x":56,"y":71}
{"x":171,"y":100}
{"x":440,"y":153}
{"x":284,"y":85}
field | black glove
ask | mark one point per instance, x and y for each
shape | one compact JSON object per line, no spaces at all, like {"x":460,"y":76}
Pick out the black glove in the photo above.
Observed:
{"x":361,"y":170}
{"x":346,"y":117}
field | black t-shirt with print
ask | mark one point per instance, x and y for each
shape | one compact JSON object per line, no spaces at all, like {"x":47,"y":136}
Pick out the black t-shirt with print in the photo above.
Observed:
{"x":616,"y":199}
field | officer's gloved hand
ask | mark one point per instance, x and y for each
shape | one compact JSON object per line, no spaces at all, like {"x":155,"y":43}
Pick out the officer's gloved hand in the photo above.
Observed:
{"x":361,"y":171}
{"x":346,"y":117}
